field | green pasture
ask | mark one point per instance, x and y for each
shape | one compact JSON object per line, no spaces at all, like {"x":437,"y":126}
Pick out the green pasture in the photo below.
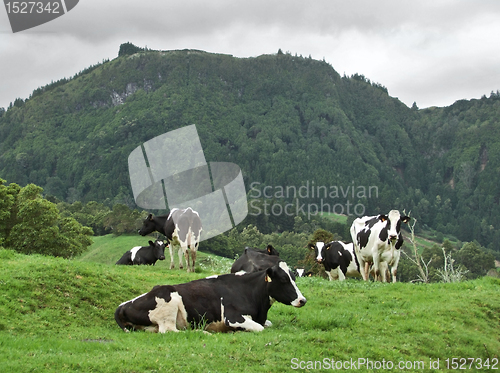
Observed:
{"x":57,"y":316}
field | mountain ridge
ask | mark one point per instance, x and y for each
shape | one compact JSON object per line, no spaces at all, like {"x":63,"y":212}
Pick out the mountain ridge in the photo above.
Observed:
{"x":283,"y":119}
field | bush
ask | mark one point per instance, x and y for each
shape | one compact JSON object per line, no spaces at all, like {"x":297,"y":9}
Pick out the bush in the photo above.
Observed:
{"x":33,"y":225}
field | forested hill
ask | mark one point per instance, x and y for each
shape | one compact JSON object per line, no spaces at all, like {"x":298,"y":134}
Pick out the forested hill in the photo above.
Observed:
{"x":287,"y":121}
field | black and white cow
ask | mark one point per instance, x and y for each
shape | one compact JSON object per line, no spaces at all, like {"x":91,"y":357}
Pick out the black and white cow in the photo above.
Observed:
{"x":181,"y":224}
{"x":253,"y":260}
{"x":378,"y":239}
{"x":226,"y":302}
{"x":339,"y":259}
{"x":144,"y":255}
{"x":301,"y":272}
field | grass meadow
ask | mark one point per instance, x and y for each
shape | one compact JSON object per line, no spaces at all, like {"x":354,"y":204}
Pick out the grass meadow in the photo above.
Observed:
{"x":57,"y":316}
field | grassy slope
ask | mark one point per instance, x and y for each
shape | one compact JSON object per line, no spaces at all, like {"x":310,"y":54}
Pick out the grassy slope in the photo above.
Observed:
{"x":57,"y":315}
{"x":108,"y":249}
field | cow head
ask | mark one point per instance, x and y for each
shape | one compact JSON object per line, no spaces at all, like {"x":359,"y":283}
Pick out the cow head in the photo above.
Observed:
{"x":158,"y":248}
{"x":391,"y":231}
{"x":319,"y":247}
{"x":148,"y":226}
{"x":282,"y":287}
{"x":272,"y":251}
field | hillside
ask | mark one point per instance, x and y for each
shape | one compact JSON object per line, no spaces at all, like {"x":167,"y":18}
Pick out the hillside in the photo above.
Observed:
{"x":58,"y":316}
{"x":287,"y":121}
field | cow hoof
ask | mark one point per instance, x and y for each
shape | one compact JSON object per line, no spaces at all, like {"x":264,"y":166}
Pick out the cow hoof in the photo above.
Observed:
{"x":172,"y":266}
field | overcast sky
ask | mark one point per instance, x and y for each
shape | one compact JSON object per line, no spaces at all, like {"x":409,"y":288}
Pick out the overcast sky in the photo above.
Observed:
{"x":429,"y":52}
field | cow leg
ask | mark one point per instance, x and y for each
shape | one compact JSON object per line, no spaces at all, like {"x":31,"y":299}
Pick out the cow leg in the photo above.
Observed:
{"x":167,"y":315}
{"x":181,"y":254}
{"x":384,"y":272}
{"x":248,"y":324}
{"x":366,"y":272}
{"x":171,"y":250}
{"x":186,"y":255}
{"x":341,"y":274}
{"x":394,"y":271}
{"x":362,"y":267}
{"x":193,"y":257}
{"x":330,"y":275}
{"x":376,"y":268}
{"x":383,"y":276}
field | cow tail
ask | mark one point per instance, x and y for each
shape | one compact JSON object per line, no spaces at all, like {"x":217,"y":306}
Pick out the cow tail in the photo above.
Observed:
{"x":119,"y":321}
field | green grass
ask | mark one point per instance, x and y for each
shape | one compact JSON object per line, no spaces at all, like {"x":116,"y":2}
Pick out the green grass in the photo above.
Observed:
{"x":335,"y":217}
{"x":57,"y":315}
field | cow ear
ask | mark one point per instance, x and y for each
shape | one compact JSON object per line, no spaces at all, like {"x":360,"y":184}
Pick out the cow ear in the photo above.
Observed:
{"x":310,"y":246}
{"x":269,"y":249}
{"x":151,"y":243}
{"x":269,"y":274}
{"x":150,"y":217}
{"x":382,"y":218}
{"x":405,"y":219}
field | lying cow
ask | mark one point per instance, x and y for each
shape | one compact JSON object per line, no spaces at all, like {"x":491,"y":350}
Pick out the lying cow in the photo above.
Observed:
{"x":301,"y":272}
{"x":225,"y":303}
{"x":339,"y":259}
{"x":145,"y":254}
{"x":183,"y":225}
{"x":378,"y":239}
{"x":253,"y":260}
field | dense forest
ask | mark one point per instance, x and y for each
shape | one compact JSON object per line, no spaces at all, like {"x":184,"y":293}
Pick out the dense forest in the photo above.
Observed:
{"x":303,"y":136}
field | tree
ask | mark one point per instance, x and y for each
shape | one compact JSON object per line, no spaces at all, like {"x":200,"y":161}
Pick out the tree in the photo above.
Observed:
{"x":122,"y":219}
{"x":8,"y":196}
{"x":128,"y":49}
{"x":37,"y":227}
{"x":473,"y":257}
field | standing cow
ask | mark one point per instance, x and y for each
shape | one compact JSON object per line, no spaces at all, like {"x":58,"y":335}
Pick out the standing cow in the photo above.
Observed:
{"x":378,"y":239}
{"x":338,"y":258}
{"x":183,"y":225}
{"x":144,"y":255}
{"x":225,"y":303}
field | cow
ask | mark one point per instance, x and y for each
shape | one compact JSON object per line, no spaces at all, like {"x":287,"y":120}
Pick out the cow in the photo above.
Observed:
{"x":253,"y":260}
{"x":338,"y":258}
{"x":378,"y":239}
{"x":183,"y":225}
{"x":144,"y":255}
{"x":223,"y":303}
{"x":301,"y":272}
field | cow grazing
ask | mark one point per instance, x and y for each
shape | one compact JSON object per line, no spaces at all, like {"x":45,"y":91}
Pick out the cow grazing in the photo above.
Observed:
{"x":378,"y":239}
{"x":144,"y":255}
{"x":224,"y":303}
{"x":338,"y":258}
{"x":253,"y":260}
{"x":183,"y":225}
